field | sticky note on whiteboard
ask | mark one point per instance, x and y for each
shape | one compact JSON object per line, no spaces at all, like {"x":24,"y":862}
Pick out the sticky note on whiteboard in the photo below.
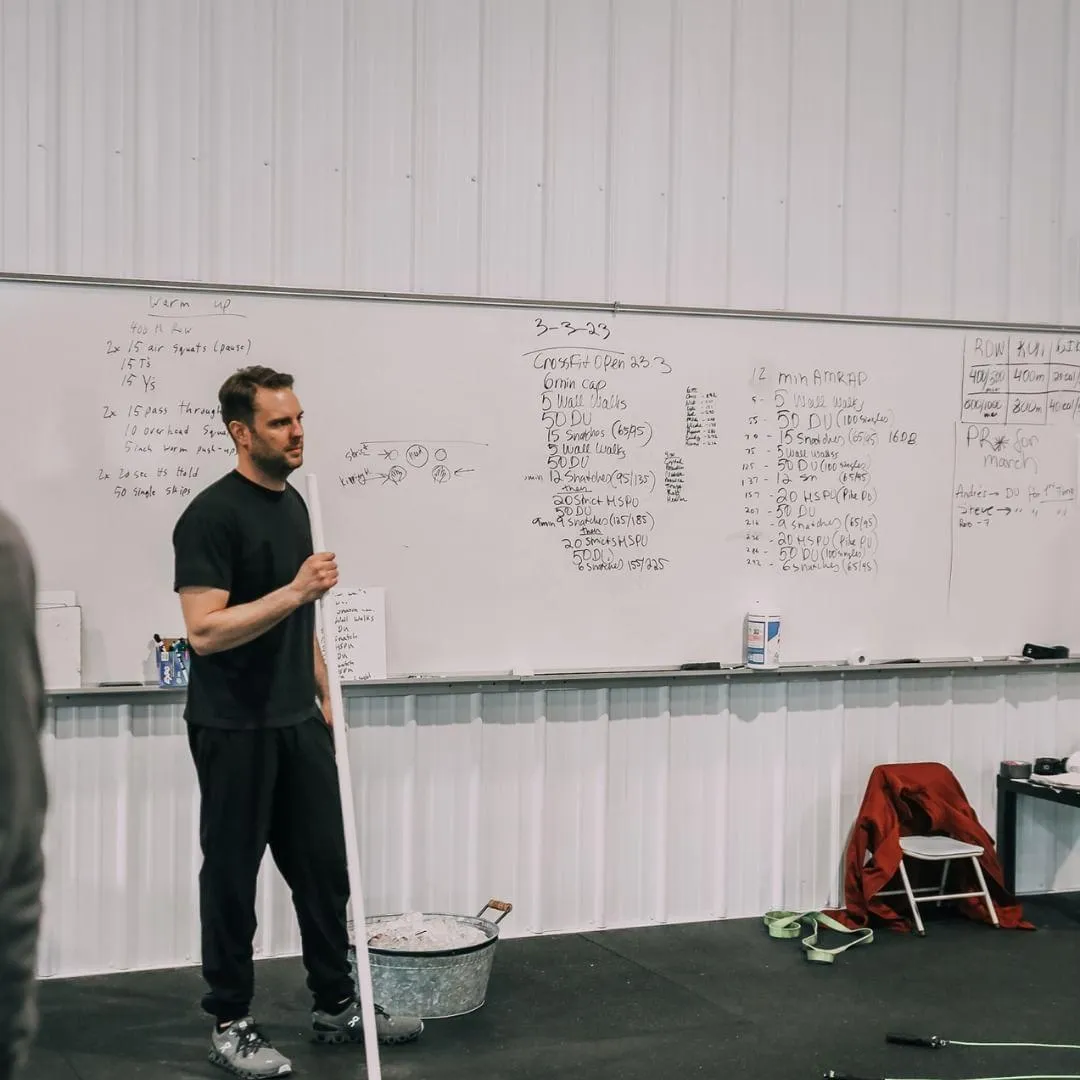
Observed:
{"x":360,"y":633}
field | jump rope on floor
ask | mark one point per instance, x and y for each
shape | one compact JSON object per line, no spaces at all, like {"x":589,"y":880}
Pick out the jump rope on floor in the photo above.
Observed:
{"x":936,"y":1042}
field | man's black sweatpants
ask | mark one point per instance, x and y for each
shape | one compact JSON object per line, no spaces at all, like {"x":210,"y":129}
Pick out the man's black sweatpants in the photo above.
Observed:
{"x":276,"y":787}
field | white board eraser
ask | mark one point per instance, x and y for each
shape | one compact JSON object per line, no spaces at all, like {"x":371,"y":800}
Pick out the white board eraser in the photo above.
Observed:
{"x":522,"y":672}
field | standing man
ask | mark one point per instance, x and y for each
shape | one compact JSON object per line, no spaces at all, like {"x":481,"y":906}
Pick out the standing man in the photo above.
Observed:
{"x":23,"y":798}
{"x":248,"y":580}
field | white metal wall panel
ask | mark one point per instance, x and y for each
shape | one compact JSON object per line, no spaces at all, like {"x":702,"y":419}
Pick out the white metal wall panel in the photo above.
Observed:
{"x":513,"y":182}
{"x":576,"y":148}
{"x":639,"y":142}
{"x":586,"y":808}
{"x":700,"y":194}
{"x":307,"y":91}
{"x":983,"y":150}
{"x":1037,"y":136}
{"x":380,"y":140}
{"x":872,"y":157}
{"x":928,"y":148}
{"x":875,"y":120}
{"x":1070,"y":188}
{"x":760,"y":141}
{"x":448,"y":147}
{"x":816,"y":185}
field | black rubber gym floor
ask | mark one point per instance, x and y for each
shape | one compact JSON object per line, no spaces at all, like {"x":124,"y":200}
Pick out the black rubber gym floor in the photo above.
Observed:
{"x":719,"y":999}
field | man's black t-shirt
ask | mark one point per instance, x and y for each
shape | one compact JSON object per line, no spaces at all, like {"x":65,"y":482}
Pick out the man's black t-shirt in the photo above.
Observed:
{"x":239,"y":536}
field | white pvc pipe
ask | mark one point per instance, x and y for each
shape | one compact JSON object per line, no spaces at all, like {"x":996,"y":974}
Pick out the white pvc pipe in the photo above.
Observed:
{"x":325,"y":612}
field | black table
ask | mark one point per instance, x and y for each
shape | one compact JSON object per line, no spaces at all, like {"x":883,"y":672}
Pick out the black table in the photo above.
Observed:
{"x":1007,"y":793}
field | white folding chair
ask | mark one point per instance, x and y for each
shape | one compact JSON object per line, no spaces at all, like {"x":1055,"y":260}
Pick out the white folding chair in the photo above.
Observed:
{"x":939,"y":849}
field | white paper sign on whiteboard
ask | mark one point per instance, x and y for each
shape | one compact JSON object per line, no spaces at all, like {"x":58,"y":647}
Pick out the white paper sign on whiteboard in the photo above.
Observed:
{"x":360,"y":633}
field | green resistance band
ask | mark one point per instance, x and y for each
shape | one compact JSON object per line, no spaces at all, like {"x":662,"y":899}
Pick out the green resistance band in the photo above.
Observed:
{"x":789,"y":924}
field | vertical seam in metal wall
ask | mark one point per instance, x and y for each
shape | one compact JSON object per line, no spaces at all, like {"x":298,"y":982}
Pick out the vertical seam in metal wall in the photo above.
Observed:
{"x":730,"y":194}
{"x":137,"y":217}
{"x":53,"y":140}
{"x":126,"y":155}
{"x":348,"y":92}
{"x":663,"y":801}
{"x":894,"y":726}
{"x":1011,"y":116}
{"x":206,"y":205}
{"x":673,"y":180}
{"x":778,"y":839}
{"x":600,"y":919}
{"x":27,"y":156}
{"x":721,"y":877}
{"x":1059,"y":851}
{"x":4,"y":163}
{"x":899,"y":306}
{"x":480,"y":126}
{"x":539,"y":817}
{"x":129,"y":125}
{"x":189,"y":39}
{"x":408,"y":798}
{"x":610,"y":252}
{"x":787,"y":163}
{"x":122,"y":803}
{"x":91,"y":851}
{"x":846,"y":171}
{"x":415,"y":143}
{"x":952,"y":720}
{"x":474,"y":816}
{"x":958,"y":78}
{"x":799,"y":879}
{"x":59,"y":261}
{"x":275,"y":144}
{"x":547,"y":164}
{"x":838,"y":838}
{"x":49,"y":962}
{"x":1059,"y":174}
{"x":1070,"y":254}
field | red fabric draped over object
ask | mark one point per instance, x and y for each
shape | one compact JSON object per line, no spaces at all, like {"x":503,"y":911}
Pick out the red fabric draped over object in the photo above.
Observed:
{"x":918,"y":799}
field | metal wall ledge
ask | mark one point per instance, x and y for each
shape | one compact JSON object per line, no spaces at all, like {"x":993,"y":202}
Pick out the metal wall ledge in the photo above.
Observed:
{"x":488,"y":682}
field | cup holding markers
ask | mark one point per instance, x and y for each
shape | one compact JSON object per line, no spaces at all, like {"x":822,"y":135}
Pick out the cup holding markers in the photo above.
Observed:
{"x":180,"y":662}
{"x":172,"y":661}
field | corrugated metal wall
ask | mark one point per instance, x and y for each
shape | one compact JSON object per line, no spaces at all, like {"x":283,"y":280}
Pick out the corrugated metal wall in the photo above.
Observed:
{"x":918,"y":158}
{"x":878,"y":156}
{"x":585,"y":808}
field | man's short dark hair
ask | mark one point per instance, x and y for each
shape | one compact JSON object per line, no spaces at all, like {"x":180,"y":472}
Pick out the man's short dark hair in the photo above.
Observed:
{"x":237,"y":393}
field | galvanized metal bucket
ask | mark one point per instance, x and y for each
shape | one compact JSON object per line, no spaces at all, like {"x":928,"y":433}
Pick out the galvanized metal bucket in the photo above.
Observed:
{"x":435,"y":983}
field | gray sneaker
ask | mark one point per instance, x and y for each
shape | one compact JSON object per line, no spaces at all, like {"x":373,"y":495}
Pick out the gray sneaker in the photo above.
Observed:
{"x":348,"y":1025}
{"x":244,"y":1050}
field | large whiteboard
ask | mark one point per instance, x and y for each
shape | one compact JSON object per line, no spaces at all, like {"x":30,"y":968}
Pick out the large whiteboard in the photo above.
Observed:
{"x":550,"y":489}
